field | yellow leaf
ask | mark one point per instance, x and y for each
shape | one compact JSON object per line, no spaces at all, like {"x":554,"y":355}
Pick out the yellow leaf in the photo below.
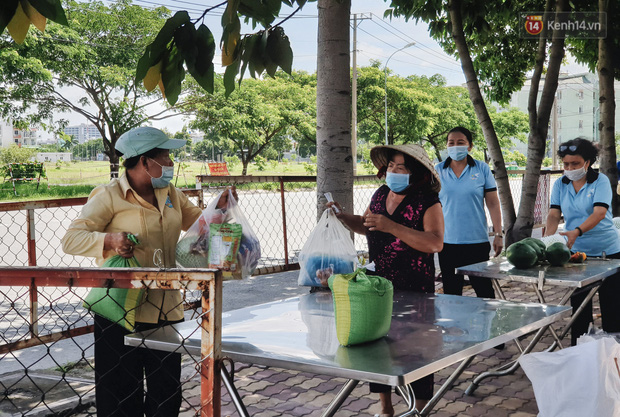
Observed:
{"x":153,"y":77}
{"x":161,"y":87}
{"x":229,"y":49}
{"x":19,"y":24}
{"x":37,"y":19}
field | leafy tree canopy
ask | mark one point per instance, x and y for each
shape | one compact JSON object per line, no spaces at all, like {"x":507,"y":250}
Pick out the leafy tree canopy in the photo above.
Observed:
{"x":94,"y":58}
{"x":500,"y":56}
{"x":183,"y":44}
{"x":261,"y":115}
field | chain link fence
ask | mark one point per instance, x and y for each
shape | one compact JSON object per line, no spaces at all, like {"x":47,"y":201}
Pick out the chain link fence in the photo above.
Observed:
{"x":39,"y":381}
{"x":40,"y":325}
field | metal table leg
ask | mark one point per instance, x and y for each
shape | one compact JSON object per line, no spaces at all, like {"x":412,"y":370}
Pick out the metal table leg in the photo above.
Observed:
{"x":500,"y":294}
{"x":446,"y":386}
{"x":541,"y":298}
{"x":342,"y":395}
{"x":513,"y":366}
{"x":234,"y":394}
{"x":576,"y":314}
{"x":476,"y":382}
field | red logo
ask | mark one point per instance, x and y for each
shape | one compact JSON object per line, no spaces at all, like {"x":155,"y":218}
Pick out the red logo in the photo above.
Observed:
{"x":534,"y":24}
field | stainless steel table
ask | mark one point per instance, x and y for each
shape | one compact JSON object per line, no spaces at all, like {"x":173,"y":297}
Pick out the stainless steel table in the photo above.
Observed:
{"x":588,"y":276}
{"x":428,"y":333}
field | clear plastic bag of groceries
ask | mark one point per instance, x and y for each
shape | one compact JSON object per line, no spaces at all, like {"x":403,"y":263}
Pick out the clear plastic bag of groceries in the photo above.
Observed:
{"x":234,"y":248}
{"x":329,"y":250}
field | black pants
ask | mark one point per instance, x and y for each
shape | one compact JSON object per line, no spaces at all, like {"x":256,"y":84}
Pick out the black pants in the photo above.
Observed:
{"x":422,"y":388}
{"x":454,"y":256}
{"x":120,"y":372}
{"x":610,"y":307}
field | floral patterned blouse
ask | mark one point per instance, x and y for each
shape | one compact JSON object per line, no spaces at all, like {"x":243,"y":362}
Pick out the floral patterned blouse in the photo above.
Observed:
{"x":407,"y":268}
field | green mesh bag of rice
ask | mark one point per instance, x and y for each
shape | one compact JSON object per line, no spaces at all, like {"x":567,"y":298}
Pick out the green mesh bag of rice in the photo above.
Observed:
{"x":117,"y":304}
{"x":362,"y":306}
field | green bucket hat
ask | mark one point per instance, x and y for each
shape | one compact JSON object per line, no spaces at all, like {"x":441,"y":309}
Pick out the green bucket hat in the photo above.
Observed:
{"x":139,"y":140}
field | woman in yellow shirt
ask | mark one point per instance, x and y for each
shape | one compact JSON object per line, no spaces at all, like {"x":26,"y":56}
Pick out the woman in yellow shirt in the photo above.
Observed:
{"x":144,"y":203}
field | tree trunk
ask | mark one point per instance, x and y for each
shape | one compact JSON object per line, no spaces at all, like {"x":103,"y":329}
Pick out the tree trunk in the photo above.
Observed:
{"x":333,"y":102}
{"x":607,"y":103}
{"x":539,"y":123}
{"x":245,"y":164}
{"x":501,"y":174}
{"x":108,"y":149}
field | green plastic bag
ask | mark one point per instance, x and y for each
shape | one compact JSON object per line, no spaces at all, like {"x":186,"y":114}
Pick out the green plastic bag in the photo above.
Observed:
{"x":362,"y":306}
{"x":117,"y":304}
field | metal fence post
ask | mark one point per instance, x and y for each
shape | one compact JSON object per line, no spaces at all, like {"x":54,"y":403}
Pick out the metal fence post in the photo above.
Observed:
{"x":32,"y":261}
{"x":210,"y":349}
{"x":284,"y":222}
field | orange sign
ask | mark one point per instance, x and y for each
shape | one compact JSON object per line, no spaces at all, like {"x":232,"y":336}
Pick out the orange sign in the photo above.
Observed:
{"x":218,"y":169}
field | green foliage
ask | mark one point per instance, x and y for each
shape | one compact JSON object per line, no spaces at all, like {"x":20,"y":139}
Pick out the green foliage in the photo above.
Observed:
{"x":367,"y":164}
{"x":21,"y":170}
{"x":517,"y":157}
{"x":50,"y":9}
{"x":310,"y":168}
{"x":29,"y":191}
{"x":274,"y":164}
{"x":313,"y":159}
{"x":178,"y":42}
{"x":232,"y":162}
{"x":546,"y":162}
{"x":15,"y":154}
{"x":500,"y":56}
{"x":420,"y":109}
{"x":586,"y":50}
{"x":261,"y":163}
{"x":88,"y":150}
{"x":258,"y":119}
{"x":102,"y":44}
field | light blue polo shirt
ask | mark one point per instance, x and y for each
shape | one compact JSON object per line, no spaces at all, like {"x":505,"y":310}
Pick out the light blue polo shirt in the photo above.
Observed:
{"x":576,"y":207}
{"x":462,"y":201}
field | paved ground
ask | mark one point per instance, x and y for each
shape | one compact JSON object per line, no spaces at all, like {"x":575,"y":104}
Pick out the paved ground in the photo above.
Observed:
{"x":277,"y":392}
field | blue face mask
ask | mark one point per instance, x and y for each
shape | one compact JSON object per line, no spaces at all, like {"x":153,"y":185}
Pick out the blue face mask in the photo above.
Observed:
{"x":167,"y":173}
{"x":397,"y":182}
{"x":457,"y":152}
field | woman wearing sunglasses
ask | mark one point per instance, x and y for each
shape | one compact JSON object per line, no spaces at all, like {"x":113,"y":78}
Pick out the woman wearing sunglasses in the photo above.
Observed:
{"x":583,"y":197}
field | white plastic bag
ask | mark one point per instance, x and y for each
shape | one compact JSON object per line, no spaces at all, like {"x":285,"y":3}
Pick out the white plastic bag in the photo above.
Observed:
{"x":329,"y":250}
{"x":578,"y":381}
{"x":193,"y":248}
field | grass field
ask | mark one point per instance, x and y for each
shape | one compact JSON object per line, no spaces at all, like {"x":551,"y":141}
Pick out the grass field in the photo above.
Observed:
{"x":77,"y":179}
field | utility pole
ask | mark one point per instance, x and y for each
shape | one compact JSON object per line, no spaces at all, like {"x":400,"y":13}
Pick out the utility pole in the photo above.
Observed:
{"x":354,"y":90}
{"x":554,"y":147}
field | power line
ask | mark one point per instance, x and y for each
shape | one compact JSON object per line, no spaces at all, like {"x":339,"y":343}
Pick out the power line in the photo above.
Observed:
{"x":417,"y":58}
{"x":408,"y":39}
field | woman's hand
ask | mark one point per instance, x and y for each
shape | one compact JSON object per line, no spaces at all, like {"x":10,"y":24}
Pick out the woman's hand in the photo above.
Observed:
{"x":378,"y":222}
{"x":498,"y":245}
{"x":223,"y":201}
{"x":335,"y":205}
{"x":120,"y":243}
{"x":571,"y":235}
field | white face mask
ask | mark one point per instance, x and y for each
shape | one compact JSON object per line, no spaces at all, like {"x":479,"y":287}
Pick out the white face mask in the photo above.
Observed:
{"x":575,"y":174}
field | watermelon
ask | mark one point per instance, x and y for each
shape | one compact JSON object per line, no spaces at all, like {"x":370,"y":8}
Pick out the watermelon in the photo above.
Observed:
{"x":538,"y":246}
{"x":558,"y":254}
{"x":521,"y":255}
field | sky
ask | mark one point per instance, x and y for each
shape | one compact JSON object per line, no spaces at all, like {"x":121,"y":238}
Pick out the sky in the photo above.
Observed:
{"x":377,"y":39}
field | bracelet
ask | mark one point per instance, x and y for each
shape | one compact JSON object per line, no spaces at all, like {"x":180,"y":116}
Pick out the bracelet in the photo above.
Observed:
{"x":499,"y":235}
{"x":580,"y":231}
